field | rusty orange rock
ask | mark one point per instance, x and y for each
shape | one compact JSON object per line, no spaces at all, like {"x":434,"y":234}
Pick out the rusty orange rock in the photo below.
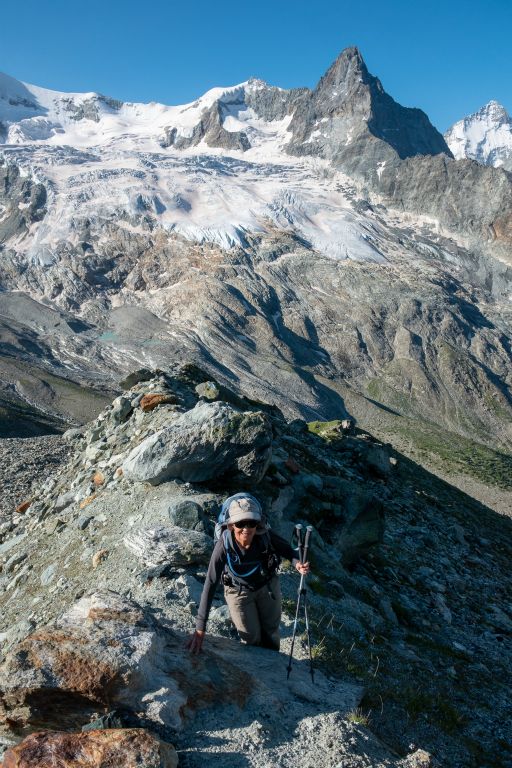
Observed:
{"x":98,"y":478}
{"x":87,"y":501}
{"x":128,"y":748}
{"x":99,"y":557}
{"x":150,"y":401}
{"x":23,"y":506}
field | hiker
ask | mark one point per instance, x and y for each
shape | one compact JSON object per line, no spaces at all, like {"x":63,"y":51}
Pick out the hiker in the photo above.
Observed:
{"x":246,"y":557}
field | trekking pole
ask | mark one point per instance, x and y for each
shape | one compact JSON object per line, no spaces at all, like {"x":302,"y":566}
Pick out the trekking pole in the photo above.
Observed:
{"x":298,"y":533}
{"x":309,"y":530}
{"x":303,"y":551}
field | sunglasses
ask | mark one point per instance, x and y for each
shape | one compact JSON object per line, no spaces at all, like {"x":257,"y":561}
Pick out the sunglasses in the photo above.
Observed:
{"x":246,"y":524}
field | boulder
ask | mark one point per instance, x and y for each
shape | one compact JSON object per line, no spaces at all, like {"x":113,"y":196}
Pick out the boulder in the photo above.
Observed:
{"x":63,"y":501}
{"x":121,"y":409}
{"x":142,"y":374}
{"x":208,"y":390}
{"x":362,"y":523}
{"x":378,"y":460}
{"x":106,"y":653}
{"x":206,"y":442}
{"x":129,"y":748}
{"x":170,"y":545}
{"x":186,"y":513}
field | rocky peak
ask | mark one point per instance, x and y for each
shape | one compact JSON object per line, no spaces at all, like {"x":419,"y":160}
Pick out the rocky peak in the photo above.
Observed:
{"x":495,"y":111}
{"x":345,"y":75}
{"x":348,"y":109}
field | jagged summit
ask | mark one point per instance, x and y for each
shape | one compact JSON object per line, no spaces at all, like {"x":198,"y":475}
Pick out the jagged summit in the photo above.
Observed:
{"x":347,"y":69}
{"x":484,"y":136}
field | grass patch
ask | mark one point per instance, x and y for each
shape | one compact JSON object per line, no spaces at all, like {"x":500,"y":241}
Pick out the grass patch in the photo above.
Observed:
{"x":359,"y":717}
{"x":328,"y":430}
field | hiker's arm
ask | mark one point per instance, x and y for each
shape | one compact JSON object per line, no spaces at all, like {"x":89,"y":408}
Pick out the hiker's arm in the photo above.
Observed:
{"x":215,"y":568}
{"x":286,"y":550}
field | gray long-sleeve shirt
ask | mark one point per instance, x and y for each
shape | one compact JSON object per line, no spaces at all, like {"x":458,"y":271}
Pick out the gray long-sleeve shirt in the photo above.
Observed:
{"x":218,"y":562}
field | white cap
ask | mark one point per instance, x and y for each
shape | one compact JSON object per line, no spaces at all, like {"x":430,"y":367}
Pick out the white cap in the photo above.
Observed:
{"x":243,"y":509}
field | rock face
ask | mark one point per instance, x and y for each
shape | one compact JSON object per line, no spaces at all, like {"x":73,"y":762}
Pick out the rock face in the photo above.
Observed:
{"x":130,"y":748}
{"x":349,"y":109}
{"x":210,"y":440}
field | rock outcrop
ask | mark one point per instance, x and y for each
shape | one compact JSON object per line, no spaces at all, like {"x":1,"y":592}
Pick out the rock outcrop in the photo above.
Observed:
{"x":210,"y":440}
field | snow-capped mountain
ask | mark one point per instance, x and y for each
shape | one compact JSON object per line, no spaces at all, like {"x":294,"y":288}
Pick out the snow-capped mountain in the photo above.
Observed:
{"x":485,"y":136}
{"x":273,"y":235}
{"x":96,"y":155}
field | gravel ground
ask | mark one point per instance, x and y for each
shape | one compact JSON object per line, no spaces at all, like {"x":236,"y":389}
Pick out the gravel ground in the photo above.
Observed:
{"x":24,"y":461}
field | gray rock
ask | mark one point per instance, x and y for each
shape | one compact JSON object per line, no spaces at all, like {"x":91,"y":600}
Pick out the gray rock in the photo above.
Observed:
{"x":387,"y":611}
{"x":140,"y":375}
{"x":377,"y":459}
{"x":11,"y":543}
{"x":192,"y":587}
{"x":13,"y":561}
{"x":362,"y":525}
{"x":171,"y":545}
{"x":210,"y":440}
{"x":48,"y":575}
{"x":63,"y":501}
{"x":83,"y":521}
{"x":121,"y":409}
{"x":186,"y":513}
{"x":73,"y":434}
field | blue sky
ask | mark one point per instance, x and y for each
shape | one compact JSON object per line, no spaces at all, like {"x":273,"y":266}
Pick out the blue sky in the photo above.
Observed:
{"x":448,"y":58}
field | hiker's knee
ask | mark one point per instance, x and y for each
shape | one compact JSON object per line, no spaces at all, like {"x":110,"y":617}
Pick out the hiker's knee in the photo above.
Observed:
{"x":250,"y":637}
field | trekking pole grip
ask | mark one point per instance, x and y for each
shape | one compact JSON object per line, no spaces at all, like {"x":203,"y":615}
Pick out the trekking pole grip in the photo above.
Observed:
{"x":309,"y":531}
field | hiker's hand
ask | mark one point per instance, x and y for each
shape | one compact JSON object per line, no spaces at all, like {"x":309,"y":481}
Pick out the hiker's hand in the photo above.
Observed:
{"x":302,"y":568}
{"x":195,"y":641}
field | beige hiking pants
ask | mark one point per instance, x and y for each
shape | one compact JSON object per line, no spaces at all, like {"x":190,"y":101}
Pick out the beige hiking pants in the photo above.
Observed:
{"x":256,"y":615}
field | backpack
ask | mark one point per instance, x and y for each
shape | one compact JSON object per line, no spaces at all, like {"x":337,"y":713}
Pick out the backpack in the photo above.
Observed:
{"x":266,"y":567}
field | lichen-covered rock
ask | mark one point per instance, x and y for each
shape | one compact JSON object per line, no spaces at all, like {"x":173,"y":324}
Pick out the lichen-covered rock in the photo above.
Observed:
{"x":208,"y":390}
{"x":129,"y":748}
{"x":207,"y":441}
{"x":172,"y":545}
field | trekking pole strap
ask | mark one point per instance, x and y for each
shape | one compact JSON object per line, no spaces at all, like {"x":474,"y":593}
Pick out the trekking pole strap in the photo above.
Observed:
{"x":309,"y":530}
{"x":298,"y":533}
